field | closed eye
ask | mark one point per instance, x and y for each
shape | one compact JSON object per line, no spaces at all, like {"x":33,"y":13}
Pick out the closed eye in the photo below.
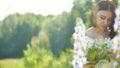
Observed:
{"x":102,"y":17}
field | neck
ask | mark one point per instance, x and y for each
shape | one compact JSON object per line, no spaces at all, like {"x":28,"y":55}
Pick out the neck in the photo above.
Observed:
{"x":101,"y":33}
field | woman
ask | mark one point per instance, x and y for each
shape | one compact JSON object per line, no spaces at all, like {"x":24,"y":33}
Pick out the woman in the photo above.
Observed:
{"x":102,"y":18}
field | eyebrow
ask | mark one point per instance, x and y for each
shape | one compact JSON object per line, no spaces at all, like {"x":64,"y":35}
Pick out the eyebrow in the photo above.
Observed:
{"x":105,"y":16}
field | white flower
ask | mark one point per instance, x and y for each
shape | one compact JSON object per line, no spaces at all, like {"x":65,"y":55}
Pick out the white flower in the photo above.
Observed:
{"x":117,"y":11}
{"x":117,"y":20}
{"x":79,"y":44}
{"x":116,"y":24}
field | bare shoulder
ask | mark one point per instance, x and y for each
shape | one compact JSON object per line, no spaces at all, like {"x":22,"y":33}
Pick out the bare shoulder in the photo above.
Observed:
{"x":90,"y":32}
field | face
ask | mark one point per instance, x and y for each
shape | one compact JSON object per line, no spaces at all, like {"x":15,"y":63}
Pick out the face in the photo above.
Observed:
{"x":103,"y":19}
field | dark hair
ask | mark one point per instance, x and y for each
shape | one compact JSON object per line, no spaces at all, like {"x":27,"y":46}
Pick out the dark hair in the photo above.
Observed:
{"x":104,"y":5}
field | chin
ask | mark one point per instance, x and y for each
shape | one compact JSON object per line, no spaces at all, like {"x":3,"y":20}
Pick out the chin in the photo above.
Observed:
{"x":103,"y":29}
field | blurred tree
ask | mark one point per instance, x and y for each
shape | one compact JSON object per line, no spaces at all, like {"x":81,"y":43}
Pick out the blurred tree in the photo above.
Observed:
{"x":37,"y":57}
{"x":16,"y":31}
{"x":60,"y":31}
{"x":81,"y":7}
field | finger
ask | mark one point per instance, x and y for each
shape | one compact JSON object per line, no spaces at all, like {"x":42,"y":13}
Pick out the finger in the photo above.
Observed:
{"x":108,"y":28}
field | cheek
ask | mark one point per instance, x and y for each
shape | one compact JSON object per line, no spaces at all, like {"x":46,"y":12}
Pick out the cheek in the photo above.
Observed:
{"x":98,"y":23}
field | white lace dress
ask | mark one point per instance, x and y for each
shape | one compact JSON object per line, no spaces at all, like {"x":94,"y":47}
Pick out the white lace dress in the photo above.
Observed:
{"x":80,"y":44}
{"x":80,"y":59}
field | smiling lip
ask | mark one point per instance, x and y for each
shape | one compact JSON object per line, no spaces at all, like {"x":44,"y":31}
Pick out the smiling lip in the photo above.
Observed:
{"x":104,"y":27}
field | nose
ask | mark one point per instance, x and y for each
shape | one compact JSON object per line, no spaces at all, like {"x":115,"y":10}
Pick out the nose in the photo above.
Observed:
{"x":105,"y":22}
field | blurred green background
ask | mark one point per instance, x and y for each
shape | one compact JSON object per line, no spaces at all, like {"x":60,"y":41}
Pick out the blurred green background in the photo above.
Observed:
{"x":37,"y":41}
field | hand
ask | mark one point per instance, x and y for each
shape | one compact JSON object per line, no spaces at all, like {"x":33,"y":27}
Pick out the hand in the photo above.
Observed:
{"x":112,"y":53}
{"x":114,"y":56}
{"x":108,"y":30}
{"x":89,"y":63}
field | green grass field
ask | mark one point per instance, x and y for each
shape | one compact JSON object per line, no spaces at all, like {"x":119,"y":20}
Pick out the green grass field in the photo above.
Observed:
{"x":11,"y":63}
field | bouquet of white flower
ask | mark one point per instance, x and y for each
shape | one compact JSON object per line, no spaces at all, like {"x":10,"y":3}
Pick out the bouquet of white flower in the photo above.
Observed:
{"x":99,"y":50}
